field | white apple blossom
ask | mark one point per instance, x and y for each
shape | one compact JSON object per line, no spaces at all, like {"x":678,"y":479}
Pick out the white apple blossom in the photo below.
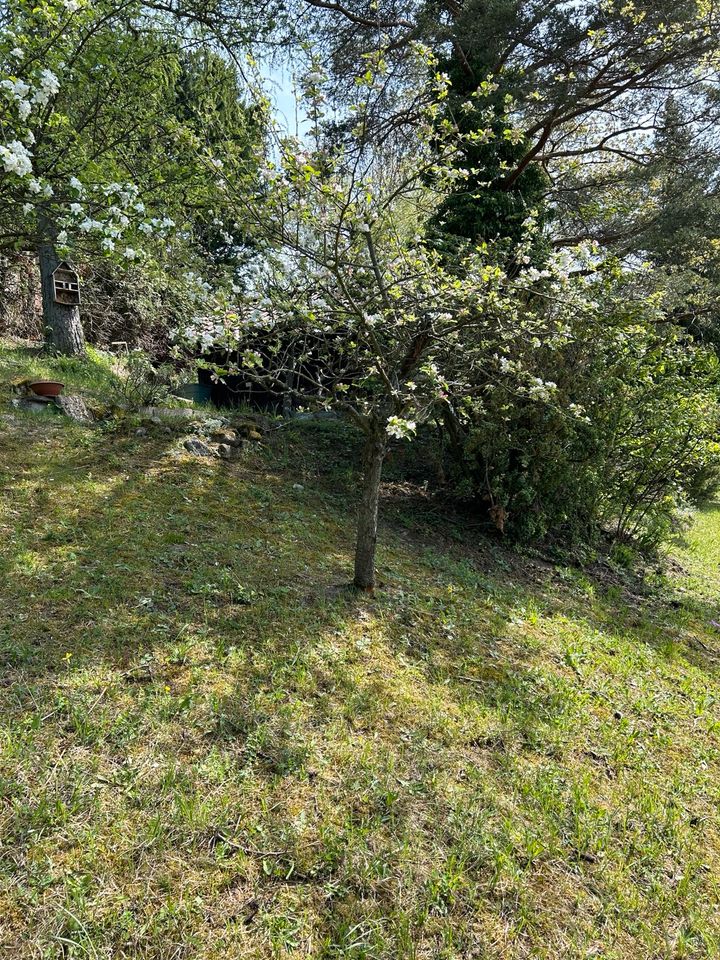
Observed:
{"x":399,"y":428}
{"x":16,"y":88}
{"x":16,"y":158}
{"x":49,"y":86}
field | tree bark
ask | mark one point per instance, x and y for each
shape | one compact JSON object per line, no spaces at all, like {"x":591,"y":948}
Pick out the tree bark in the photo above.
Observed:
{"x":63,"y":329}
{"x":367,"y":521}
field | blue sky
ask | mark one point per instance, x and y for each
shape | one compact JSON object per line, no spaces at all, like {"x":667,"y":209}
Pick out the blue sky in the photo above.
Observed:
{"x":280,"y":88}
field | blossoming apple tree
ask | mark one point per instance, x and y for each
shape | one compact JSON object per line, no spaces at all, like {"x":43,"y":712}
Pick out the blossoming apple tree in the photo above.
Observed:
{"x":351,"y":306}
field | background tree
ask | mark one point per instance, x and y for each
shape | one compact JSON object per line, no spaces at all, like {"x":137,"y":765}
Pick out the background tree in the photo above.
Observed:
{"x":112,"y":146}
{"x":600,"y":122}
{"x":580,"y":88}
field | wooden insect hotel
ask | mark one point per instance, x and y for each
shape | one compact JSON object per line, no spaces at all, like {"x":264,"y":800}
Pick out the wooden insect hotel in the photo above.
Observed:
{"x":66,"y":285}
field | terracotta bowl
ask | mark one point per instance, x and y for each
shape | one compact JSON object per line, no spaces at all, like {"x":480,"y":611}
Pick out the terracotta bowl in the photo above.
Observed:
{"x":47,"y":388}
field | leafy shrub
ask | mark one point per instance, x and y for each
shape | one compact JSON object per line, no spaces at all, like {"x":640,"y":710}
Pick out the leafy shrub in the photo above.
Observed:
{"x":628,"y":433}
{"x":144,"y":383}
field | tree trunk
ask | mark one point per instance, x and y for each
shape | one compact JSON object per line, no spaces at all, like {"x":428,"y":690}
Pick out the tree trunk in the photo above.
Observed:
{"x":367,"y":521}
{"x":63,"y":330}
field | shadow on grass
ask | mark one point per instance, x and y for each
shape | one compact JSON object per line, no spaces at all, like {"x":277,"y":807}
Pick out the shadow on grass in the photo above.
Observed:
{"x":178,"y":629}
{"x":147,"y":569}
{"x":121,"y":546}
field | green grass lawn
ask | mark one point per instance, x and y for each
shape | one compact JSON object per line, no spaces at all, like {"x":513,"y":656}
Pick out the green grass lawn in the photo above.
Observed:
{"x":95,"y":376}
{"x":209,"y":748}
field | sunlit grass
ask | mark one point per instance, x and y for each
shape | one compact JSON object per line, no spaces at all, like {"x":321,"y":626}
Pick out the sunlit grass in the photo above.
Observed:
{"x":96,"y":374}
{"x":210,"y":748}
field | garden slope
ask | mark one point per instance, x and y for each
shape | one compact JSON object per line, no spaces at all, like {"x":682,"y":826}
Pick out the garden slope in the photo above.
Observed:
{"x":210,"y":749}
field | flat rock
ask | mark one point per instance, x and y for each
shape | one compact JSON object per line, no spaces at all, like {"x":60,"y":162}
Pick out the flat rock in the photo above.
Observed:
{"x":228,"y":451}
{"x":75,"y":408}
{"x":170,"y":413}
{"x":316,"y":415}
{"x":34,"y":405}
{"x":197,"y":447}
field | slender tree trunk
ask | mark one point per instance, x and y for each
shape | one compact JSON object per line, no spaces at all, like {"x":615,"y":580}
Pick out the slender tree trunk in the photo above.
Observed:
{"x":63,"y":329}
{"x":367,"y":522}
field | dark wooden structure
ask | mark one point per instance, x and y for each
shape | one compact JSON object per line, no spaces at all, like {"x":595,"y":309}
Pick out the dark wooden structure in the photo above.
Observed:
{"x":66,"y":285}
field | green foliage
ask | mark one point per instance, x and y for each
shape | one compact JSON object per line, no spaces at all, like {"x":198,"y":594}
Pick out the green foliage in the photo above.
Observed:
{"x":483,"y":207}
{"x":142,"y":382}
{"x":141,"y":120}
{"x":629,"y":434}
